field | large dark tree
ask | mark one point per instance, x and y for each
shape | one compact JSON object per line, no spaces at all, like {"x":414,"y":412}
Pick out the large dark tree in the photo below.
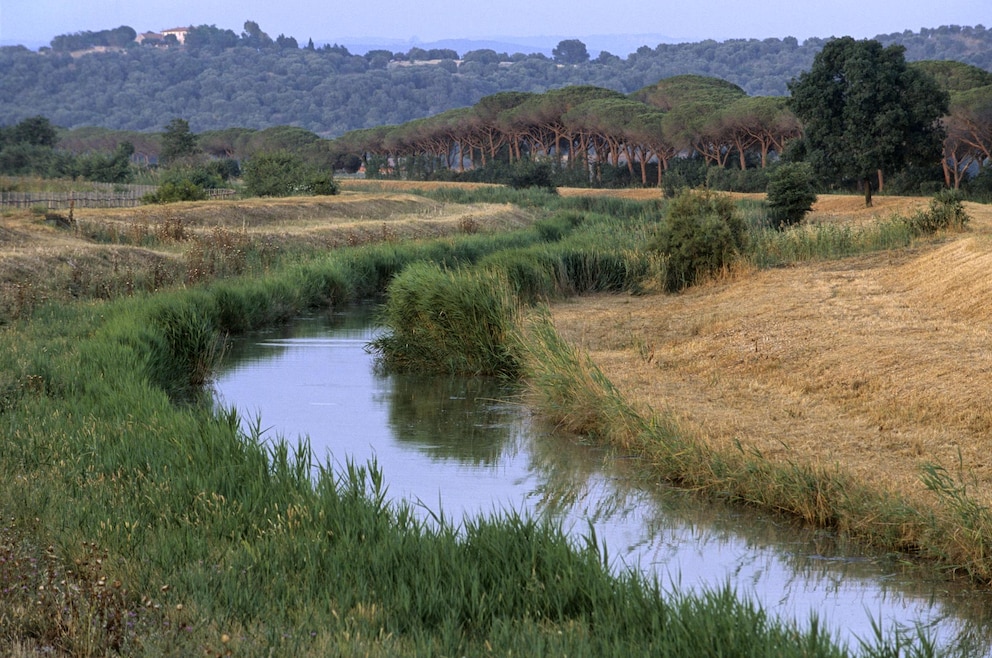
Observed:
{"x":570,"y":51}
{"x":178,"y":141}
{"x":865,"y":112}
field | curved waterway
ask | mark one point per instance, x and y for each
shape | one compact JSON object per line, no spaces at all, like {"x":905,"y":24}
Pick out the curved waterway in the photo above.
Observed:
{"x":457,"y":446}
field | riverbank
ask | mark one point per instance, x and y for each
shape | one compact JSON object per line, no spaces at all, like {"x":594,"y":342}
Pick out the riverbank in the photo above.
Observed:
{"x":872,"y":368}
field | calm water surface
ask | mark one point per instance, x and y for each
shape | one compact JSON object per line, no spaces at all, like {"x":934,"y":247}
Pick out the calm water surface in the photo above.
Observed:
{"x":462,"y":446}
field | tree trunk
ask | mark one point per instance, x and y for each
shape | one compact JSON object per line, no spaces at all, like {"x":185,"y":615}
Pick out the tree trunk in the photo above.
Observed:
{"x":867,"y":183}
{"x":881,"y":181}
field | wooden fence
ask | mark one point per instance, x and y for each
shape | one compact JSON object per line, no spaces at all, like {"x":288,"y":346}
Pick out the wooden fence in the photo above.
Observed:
{"x":128,"y":198}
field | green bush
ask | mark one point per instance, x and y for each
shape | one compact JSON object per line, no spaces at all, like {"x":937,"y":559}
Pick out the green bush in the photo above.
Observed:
{"x":198,"y":174}
{"x":790,"y":194}
{"x":281,"y":174}
{"x":171,"y":192}
{"x":528,"y":173}
{"x":946,"y":213}
{"x":556,"y":227}
{"x":737,"y":180}
{"x":979,"y":187}
{"x":683,"y":173}
{"x":703,"y":233}
{"x":442,"y":320}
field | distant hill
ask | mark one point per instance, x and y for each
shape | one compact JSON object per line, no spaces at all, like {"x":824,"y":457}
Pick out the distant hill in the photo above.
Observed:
{"x":220,"y":80}
{"x":617,"y":44}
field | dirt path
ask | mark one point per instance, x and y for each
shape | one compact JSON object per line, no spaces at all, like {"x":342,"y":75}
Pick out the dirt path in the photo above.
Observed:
{"x":875,"y":364}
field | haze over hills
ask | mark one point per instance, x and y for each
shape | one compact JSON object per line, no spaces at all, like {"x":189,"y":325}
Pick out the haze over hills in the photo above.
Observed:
{"x":618,"y":44}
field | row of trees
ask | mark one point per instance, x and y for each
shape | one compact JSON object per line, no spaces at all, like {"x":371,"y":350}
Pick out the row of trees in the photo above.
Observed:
{"x":860,"y":115}
{"x":587,"y":127}
{"x":31,"y":148}
{"x":330,"y":91}
{"x":863,"y":111}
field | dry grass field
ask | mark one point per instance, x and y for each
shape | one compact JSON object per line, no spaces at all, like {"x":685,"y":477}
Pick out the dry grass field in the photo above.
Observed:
{"x":110,"y":251}
{"x":874,"y":365}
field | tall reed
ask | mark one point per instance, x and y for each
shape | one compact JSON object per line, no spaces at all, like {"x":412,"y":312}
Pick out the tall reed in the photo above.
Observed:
{"x":444,"y":320}
{"x":771,"y":248}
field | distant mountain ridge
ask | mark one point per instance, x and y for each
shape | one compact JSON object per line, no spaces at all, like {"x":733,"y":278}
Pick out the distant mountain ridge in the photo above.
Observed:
{"x":330,"y":90}
{"x":617,"y":44}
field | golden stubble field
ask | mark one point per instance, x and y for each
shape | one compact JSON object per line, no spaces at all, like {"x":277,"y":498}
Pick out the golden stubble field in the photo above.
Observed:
{"x":116,"y":249}
{"x":873,"y":365}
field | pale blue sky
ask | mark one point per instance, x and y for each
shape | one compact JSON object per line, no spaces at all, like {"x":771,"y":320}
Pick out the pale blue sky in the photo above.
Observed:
{"x":35,"y":22}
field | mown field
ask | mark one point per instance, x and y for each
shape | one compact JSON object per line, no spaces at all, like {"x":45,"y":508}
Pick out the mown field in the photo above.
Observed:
{"x":876,"y":365}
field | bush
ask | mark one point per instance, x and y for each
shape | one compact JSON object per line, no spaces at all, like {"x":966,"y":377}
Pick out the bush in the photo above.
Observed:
{"x":979,"y":187}
{"x":284,"y":174}
{"x":946,"y":212}
{"x":682,"y":174}
{"x":702,"y":234}
{"x":790,"y":194}
{"x":737,"y":180}
{"x":200,"y":175}
{"x":528,"y":173}
{"x":171,"y":192}
{"x":556,"y":227}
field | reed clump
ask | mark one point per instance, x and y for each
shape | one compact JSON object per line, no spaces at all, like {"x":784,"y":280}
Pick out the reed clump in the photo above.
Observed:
{"x":448,"y":321}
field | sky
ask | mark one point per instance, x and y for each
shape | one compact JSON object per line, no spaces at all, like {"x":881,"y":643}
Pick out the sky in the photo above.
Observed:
{"x":34,"y":23}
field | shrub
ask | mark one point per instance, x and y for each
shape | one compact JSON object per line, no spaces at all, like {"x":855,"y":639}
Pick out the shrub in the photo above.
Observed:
{"x":737,"y":180}
{"x":790,"y":194}
{"x":556,"y":227}
{"x":285,"y":174}
{"x":979,"y":187}
{"x":946,"y":212}
{"x":702,"y":234}
{"x":683,"y":173}
{"x":198,"y":174}
{"x":531,"y":174}
{"x":441,"y":320}
{"x":171,"y":192}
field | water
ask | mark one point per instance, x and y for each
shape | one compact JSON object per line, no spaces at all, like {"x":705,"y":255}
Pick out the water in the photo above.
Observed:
{"x":457,"y":446}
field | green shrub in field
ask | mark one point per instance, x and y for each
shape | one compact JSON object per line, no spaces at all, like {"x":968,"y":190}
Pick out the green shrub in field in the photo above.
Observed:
{"x":527,"y":173}
{"x":790,"y":194}
{"x":282,"y":174}
{"x":702,"y":234}
{"x":171,"y":192}
{"x":946,"y":213}
{"x":559,"y":225}
{"x":203,"y":175}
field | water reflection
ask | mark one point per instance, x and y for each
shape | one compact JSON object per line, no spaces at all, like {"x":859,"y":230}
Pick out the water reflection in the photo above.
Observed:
{"x":450,"y":418}
{"x":462,"y":446}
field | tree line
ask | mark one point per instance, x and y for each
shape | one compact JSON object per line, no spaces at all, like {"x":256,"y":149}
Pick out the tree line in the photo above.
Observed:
{"x":919,"y":126}
{"x":221,"y":79}
{"x":915,"y":127}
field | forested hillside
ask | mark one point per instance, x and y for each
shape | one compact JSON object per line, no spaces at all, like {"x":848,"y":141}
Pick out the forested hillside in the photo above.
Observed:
{"x":220,"y":79}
